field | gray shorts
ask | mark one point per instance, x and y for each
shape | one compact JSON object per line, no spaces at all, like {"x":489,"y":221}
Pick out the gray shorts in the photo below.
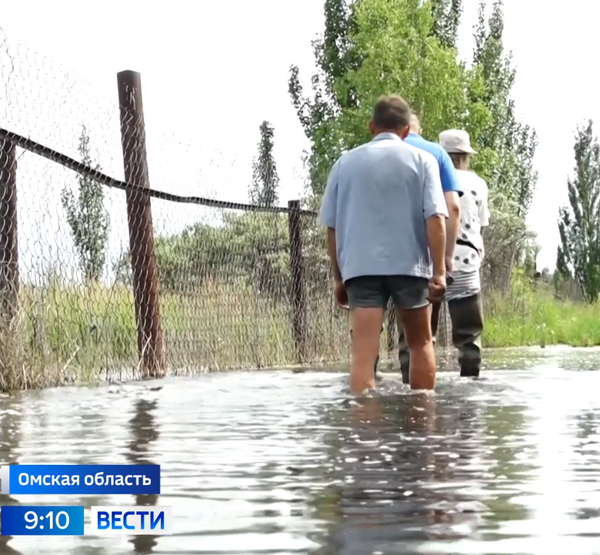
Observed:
{"x":406,"y":292}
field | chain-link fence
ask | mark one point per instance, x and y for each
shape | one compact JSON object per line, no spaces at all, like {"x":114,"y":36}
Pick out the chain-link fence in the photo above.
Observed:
{"x":100,"y":273}
{"x":104,"y":274}
{"x":242,"y":286}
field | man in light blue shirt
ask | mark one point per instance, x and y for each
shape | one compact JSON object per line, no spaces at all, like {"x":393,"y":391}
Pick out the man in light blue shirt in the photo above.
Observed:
{"x":386,"y":213}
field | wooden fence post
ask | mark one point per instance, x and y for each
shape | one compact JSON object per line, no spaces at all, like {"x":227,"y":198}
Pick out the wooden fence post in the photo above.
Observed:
{"x":297,"y":270}
{"x":141,"y":233}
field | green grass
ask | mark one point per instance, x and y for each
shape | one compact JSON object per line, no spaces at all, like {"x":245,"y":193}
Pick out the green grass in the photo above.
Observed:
{"x":89,"y":333}
{"x":84,"y":333}
{"x":536,"y":318}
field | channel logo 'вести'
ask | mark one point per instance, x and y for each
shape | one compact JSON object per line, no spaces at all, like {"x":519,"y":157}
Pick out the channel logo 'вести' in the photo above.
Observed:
{"x":52,"y":520}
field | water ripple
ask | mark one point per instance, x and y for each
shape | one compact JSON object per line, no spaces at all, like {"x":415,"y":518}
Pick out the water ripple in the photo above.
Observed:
{"x":284,"y":463}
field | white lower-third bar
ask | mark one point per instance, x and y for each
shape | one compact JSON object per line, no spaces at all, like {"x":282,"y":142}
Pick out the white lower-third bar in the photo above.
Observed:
{"x":132,"y":521}
{"x":5,"y":480}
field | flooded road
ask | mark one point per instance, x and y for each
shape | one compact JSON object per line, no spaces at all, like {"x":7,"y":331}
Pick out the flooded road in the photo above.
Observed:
{"x":285,"y":463}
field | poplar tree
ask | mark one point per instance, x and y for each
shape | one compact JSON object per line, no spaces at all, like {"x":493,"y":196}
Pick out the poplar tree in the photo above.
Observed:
{"x":265,"y":179}
{"x":88,"y":219}
{"x":578,"y":254}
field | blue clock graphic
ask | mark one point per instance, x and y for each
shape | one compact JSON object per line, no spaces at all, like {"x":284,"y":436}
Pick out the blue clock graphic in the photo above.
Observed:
{"x":42,"y":520}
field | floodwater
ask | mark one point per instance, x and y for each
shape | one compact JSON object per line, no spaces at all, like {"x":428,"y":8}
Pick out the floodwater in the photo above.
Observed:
{"x":286,"y":463}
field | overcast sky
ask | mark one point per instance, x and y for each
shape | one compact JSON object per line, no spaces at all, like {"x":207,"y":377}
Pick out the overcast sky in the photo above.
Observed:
{"x":212,"y":71}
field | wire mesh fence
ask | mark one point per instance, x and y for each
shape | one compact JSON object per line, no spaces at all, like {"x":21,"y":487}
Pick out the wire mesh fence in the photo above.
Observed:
{"x":103,"y":274}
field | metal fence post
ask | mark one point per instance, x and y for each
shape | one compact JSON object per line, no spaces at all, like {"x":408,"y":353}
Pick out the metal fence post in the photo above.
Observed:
{"x":139,"y":218}
{"x":298,"y":293}
{"x":390,"y":321}
{"x":444,"y":329}
{"x":9,"y":250}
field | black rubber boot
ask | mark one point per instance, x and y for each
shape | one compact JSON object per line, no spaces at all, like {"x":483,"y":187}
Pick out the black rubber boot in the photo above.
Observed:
{"x":469,"y":368}
{"x":467,"y":326}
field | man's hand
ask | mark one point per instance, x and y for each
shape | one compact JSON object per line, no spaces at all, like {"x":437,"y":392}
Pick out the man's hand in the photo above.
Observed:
{"x":436,"y":238}
{"x":341,"y":295}
{"x":437,"y":288}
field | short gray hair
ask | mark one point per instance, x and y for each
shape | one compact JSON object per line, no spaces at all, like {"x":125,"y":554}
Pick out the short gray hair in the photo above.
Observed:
{"x":415,"y":123}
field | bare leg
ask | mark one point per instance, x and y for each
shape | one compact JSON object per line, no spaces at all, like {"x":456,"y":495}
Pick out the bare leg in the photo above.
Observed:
{"x":366,"y":327}
{"x":404,"y":352}
{"x":376,"y":360}
{"x":419,"y":340}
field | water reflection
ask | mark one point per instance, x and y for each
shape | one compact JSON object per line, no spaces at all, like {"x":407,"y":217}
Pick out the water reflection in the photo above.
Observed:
{"x":512,"y":462}
{"x":143,"y":433}
{"x":265,"y":463}
{"x":10,"y":432}
{"x":585,"y":462}
{"x":395,"y":479}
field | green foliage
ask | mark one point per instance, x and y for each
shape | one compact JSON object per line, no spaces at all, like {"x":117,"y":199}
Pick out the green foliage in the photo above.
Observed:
{"x":578,"y":255}
{"x":265,"y":180}
{"x":87,"y":217}
{"x":506,"y":145}
{"x":507,"y":230}
{"x":375,"y":47}
{"x":528,"y":262}
{"x":401,"y":56}
{"x":250,"y":248}
{"x":446,"y":21}
{"x":370,"y":48}
{"x":335,"y":56}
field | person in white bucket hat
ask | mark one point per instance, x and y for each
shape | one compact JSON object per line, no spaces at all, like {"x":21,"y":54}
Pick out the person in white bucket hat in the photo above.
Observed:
{"x":464,"y":293}
{"x":457,"y":141}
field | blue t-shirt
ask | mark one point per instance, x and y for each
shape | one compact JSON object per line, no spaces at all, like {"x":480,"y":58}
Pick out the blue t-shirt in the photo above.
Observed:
{"x":448,"y":175}
{"x":378,"y":199}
